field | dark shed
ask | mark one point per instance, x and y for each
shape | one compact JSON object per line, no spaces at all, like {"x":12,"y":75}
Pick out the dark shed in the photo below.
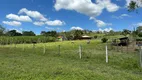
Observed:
{"x":124,"y":41}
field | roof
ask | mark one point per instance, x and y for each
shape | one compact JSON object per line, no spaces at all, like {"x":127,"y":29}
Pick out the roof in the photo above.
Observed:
{"x":123,"y":38}
{"x":60,"y":37}
{"x":86,"y":36}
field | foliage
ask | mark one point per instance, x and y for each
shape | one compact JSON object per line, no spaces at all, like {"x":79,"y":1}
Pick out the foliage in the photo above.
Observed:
{"x":125,"y":32}
{"x":95,"y":36}
{"x":2,"y":29}
{"x":25,"y":39}
{"x":49,"y":33}
{"x":16,"y":64}
{"x":76,"y":34}
{"x":104,"y":40}
{"x":28,"y":33}
{"x":132,"y":6}
{"x":140,"y":34}
{"x":13,"y":33}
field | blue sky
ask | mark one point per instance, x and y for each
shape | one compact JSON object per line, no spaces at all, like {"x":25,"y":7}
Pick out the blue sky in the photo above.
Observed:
{"x":64,"y":15}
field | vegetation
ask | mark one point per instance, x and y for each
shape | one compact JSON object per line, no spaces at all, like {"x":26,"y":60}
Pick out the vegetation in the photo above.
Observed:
{"x":104,"y":40}
{"x":25,"y":39}
{"x":125,"y":32}
{"x":30,"y":64}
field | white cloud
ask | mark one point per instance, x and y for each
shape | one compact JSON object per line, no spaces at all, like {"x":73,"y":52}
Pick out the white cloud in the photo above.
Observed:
{"x":121,"y":16}
{"x":76,"y":28}
{"x":86,"y":7}
{"x":39,"y":23}
{"x":105,"y":30}
{"x":34,"y":14}
{"x":12,"y":23}
{"x":138,"y":24}
{"x":102,"y":24}
{"x":55,"y":23}
{"x":19,"y":18}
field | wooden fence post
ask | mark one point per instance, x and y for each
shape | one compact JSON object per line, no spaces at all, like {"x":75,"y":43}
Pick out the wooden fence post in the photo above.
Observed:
{"x":106,"y":54}
{"x":80,"y":51}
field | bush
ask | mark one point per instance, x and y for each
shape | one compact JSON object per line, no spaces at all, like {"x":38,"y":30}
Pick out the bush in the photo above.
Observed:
{"x":25,"y":39}
{"x":104,"y":40}
{"x":140,"y":34}
{"x":95,"y":36}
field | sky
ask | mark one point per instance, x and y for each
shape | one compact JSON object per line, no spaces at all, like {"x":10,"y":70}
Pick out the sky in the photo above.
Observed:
{"x":65,"y":15}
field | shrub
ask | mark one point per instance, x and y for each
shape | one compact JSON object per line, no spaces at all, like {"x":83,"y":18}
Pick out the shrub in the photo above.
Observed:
{"x":140,"y":34}
{"x":95,"y":36}
{"x":104,"y":40}
{"x":25,"y":39}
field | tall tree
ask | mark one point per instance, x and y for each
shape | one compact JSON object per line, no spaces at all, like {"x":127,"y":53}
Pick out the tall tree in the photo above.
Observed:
{"x":13,"y":33}
{"x":76,"y":34}
{"x":2,"y":29}
{"x":134,"y":4}
{"x":125,"y":32}
{"x":28,"y":33}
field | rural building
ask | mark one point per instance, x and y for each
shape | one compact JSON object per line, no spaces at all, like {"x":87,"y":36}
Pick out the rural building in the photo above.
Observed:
{"x":86,"y":37}
{"x":123,"y":41}
{"x":60,"y":38}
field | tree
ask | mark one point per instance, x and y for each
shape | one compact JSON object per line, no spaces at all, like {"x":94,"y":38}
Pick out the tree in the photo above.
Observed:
{"x":13,"y":33}
{"x":49,"y":33}
{"x":2,"y":29}
{"x":28,"y":33}
{"x":43,"y":33}
{"x":111,"y":32}
{"x":138,"y":31}
{"x":133,"y":5}
{"x":76,"y":34}
{"x":125,"y":32}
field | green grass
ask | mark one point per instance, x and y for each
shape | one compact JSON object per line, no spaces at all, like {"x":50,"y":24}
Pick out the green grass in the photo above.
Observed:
{"x":32,"y":64}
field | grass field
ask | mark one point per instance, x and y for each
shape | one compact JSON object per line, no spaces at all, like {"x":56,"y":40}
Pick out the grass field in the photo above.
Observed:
{"x":24,"y":62}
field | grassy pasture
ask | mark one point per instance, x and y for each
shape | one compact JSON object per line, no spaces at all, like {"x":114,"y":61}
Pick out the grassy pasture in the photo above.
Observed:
{"x":28,"y":63}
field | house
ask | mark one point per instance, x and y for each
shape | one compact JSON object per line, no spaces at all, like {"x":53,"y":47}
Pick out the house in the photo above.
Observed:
{"x":86,"y":37}
{"x":60,"y":38}
{"x":124,"y":41}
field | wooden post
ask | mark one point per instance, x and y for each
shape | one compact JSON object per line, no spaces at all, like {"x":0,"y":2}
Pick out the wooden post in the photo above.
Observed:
{"x":106,"y":54}
{"x":80,"y":51}
{"x":59,"y":49}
